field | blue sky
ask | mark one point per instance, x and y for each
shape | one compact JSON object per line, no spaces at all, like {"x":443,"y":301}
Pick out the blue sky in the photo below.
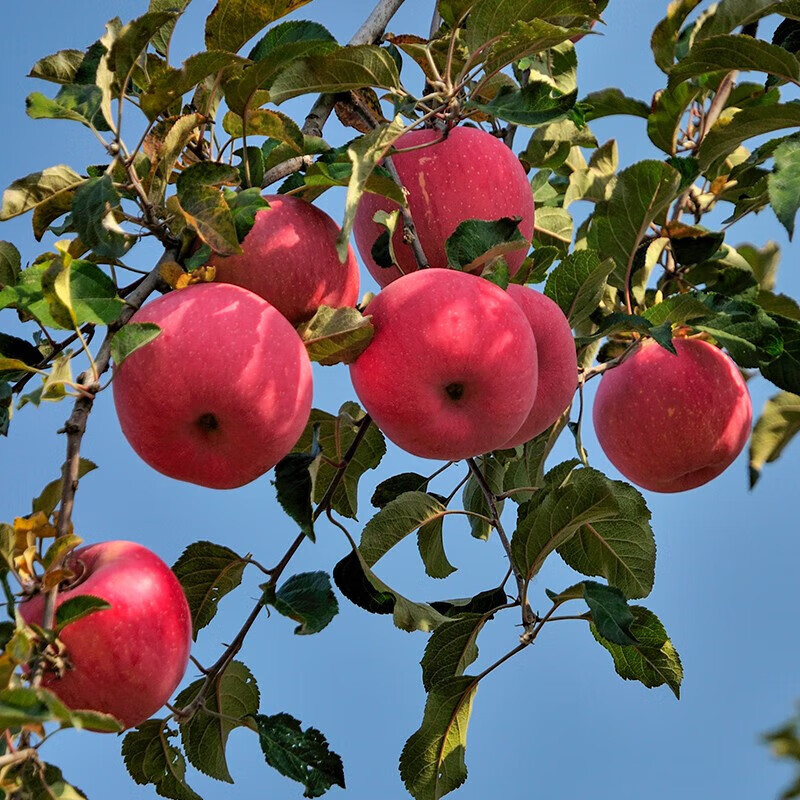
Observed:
{"x":556,"y":720}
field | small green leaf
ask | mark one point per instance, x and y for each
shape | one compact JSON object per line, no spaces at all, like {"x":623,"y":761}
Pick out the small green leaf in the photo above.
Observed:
{"x":395,"y":521}
{"x":60,"y":67}
{"x":525,"y":38}
{"x":234,"y":22}
{"x":75,"y":608}
{"x":130,"y":338}
{"x":474,"y":500}
{"x":653,"y":660}
{"x":207,"y":573}
{"x":294,"y":485}
{"x":475,"y":243}
{"x":132,"y":40}
{"x":577,"y":284}
{"x":451,"y":649}
{"x":611,"y":615}
{"x":302,"y":755}
{"x":162,"y":38}
{"x":233,"y":696}
{"x":78,"y":103}
{"x":10,"y":263}
{"x":612,"y":102}
{"x":432,"y":761}
{"x":205,"y":207}
{"x":151,"y":758}
{"x":393,"y":487}
{"x":95,"y":206}
{"x":335,"y":435}
{"x":307,"y":598}
{"x":778,"y":425}
{"x":336,"y":335}
{"x":50,"y":496}
{"x":535,"y":104}
{"x":784,"y":184}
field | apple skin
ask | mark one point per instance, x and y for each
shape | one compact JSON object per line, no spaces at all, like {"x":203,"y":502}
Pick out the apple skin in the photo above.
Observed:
{"x":557,"y":361}
{"x":222,"y":394}
{"x":441,"y":329}
{"x":126,"y":660}
{"x":289,"y":258}
{"x":671,"y":423}
{"x":470,"y":174}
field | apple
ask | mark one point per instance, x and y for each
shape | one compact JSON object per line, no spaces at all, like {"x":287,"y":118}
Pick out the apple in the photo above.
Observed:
{"x":222,"y":394}
{"x":557,"y":361}
{"x":466,"y":174}
{"x":451,"y":370}
{"x":289,"y":258}
{"x":126,"y":660}
{"x":671,"y":423}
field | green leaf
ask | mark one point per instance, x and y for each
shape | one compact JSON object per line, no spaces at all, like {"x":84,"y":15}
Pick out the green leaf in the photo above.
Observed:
{"x":778,"y":425}
{"x":340,"y":70}
{"x":475,"y":243}
{"x":302,"y":755}
{"x":162,"y":38}
{"x":474,"y":500}
{"x":73,"y":102}
{"x":577,"y":284}
{"x":393,"y":487}
{"x":336,"y":335}
{"x":611,"y":102}
{"x":489,"y":19}
{"x":620,"y":547}
{"x":653,"y":660}
{"x":395,"y":521}
{"x":432,"y":761}
{"x":49,"y":783}
{"x":451,"y":649}
{"x":481,"y":603}
{"x":265,"y":122}
{"x":735,"y":127}
{"x":642,"y":193}
{"x":95,"y":205}
{"x":23,"y":705}
{"x":31,"y":191}
{"x":308,"y":599}
{"x":362,"y":587}
{"x":611,"y":615}
{"x":731,"y":14}
{"x":130,"y":338}
{"x":233,"y":696}
{"x":784,"y":184}
{"x":90,"y":294}
{"x":523,"y":39}
{"x":207,"y":573}
{"x":289,"y":33}
{"x":244,"y":206}
{"x":535,"y":104}
{"x":294,"y":485}
{"x":335,"y":435}
{"x":50,"y":496}
{"x":75,"y":608}
{"x":60,"y":67}
{"x":784,"y":371}
{"x":557,"y":515}
{"x":132,"y":41}
{"x":10,"y":263}
{"x":204,"y":205}
{"x":735,"y":52}
{"x":234,"y":22}
{"x":670,"y":106}
{"x":364,"y":153}
{"x":430,"y":543}
{"x":151,"y":758}
{"x":170,"y":86}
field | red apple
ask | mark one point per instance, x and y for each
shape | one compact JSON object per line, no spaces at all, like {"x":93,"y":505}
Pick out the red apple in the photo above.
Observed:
{"x":468,"y":174}
{"x":222,"y":394}
{"x":451,"y":371}
{"x":289,"y":258}
{"x":671,"y":423}
{"x":126,"y":660}
{"x":557,"y":361}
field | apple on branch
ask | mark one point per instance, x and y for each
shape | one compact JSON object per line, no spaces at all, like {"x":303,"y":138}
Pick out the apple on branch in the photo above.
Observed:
{"x":126,"y":660}
{"x":222,"y":394}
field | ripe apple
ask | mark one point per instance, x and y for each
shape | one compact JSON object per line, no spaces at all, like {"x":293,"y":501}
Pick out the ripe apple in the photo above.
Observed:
{"x":126,"y":660}
{"x":289,"y":258}
{"x":451,"y":371}
{"x":557,"y":361}
{"x":468,"y":174}
{"x":222,"y":394}
{"x":671,"y":423}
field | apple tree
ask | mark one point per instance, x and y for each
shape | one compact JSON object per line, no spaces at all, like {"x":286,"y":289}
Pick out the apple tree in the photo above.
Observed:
{"x":471,"y":175}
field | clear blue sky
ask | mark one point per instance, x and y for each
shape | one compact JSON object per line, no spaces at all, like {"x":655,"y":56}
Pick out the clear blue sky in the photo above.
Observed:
{"x":557,"y":720}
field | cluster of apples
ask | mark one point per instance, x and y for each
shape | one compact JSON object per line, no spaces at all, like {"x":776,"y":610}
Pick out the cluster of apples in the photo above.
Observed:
{"x":457,"y":367}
